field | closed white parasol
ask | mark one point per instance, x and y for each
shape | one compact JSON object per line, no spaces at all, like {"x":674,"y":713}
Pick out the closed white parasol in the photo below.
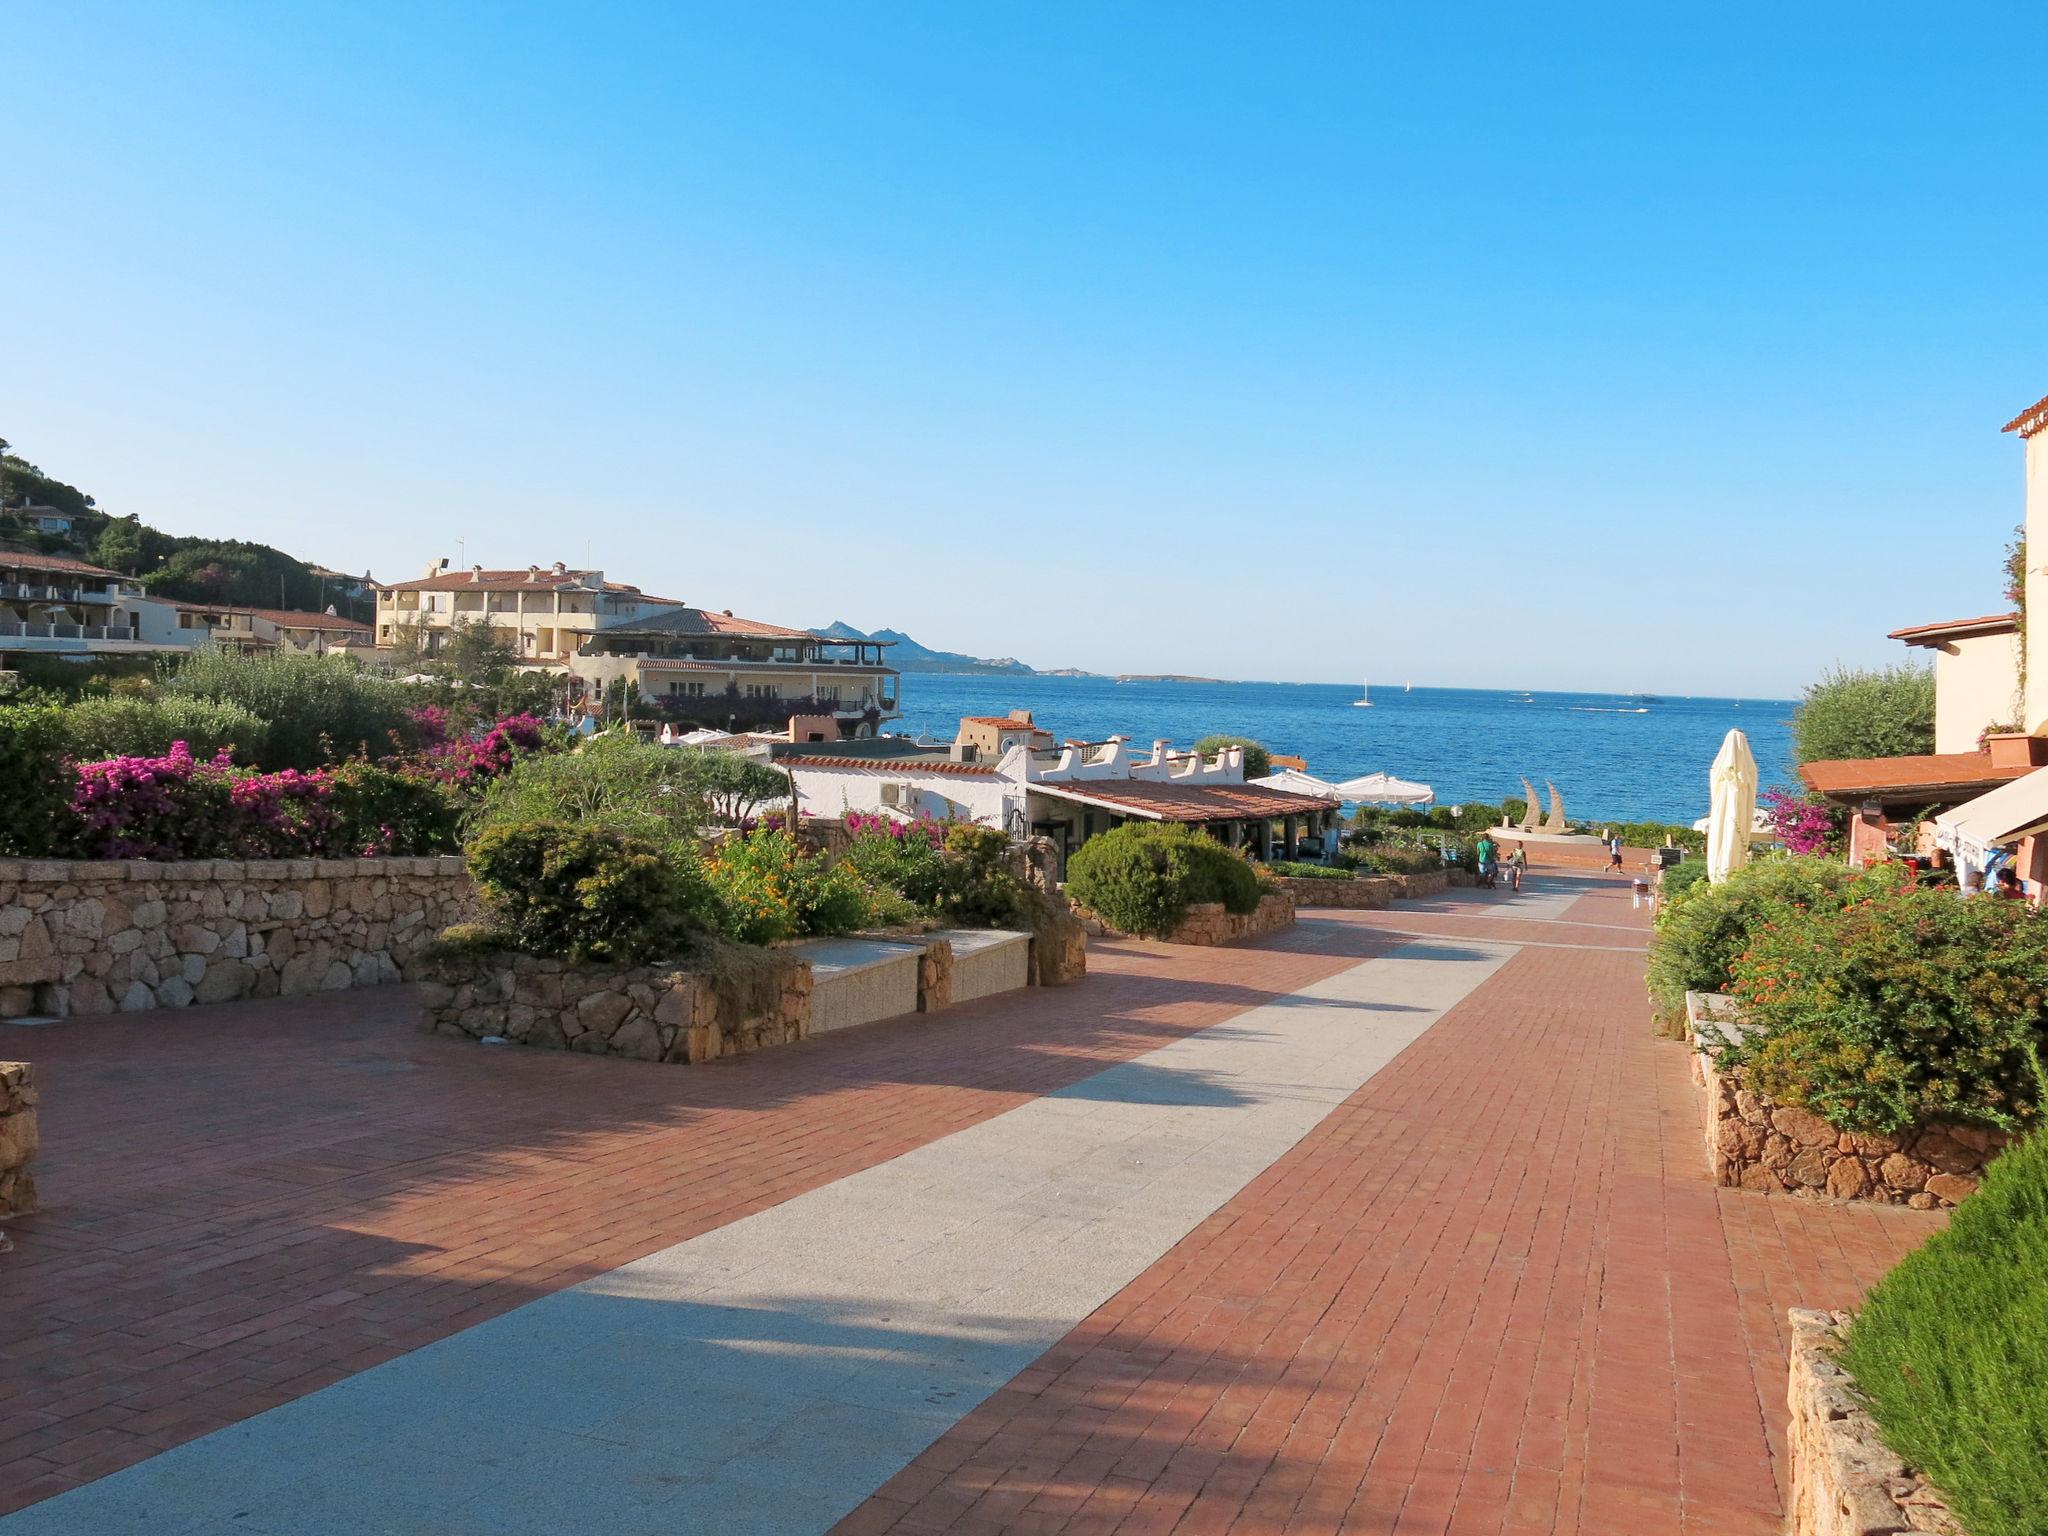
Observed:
{"x":1732,"y":785}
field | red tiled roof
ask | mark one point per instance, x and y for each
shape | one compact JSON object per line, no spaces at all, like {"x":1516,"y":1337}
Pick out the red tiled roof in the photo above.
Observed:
{"x":1957,"y":629}
{"x":683,"y":620}
{"x":1005,"y":722}
{"x":899,"y":766}
{"x":284,"y":618}
{"x":2033,"y":419}
{"x":22,"y":560}
{"x":544,"y":580}
{"x":1163,"y":800}
{"x":1930,"y":777}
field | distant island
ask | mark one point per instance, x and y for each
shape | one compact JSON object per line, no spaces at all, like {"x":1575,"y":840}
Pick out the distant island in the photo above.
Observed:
{"x":906,"y":655}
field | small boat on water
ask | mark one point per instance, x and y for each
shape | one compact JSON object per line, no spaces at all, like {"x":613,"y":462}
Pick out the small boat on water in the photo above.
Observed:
{"x":1364,"y":699}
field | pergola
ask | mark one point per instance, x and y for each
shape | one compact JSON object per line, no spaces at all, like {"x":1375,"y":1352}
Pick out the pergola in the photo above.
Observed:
{"x":1256,"y":816}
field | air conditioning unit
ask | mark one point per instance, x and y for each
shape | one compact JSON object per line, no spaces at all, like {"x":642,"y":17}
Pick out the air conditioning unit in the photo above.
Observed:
{"x":892,"y":794}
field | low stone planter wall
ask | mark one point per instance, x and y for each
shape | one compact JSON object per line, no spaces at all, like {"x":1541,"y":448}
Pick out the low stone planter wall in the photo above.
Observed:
{"x":1370,"y":893}
{"x":107,"y":936}
{"x":980,"y":962}
{"x":1059,"y":949}
{"x":648,"y":1012}
{"x":1208,"y":923}
{"x":18,"y":1138}
{"x":1844,"y":1480}
{"x":1752,"y":1143}
{"x":1413,"y":887}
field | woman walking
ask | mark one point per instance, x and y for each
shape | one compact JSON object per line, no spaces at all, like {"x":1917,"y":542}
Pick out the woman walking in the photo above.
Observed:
{"x":1518,"y":862}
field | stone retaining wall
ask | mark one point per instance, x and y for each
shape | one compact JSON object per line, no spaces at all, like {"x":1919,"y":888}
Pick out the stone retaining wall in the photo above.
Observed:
{"x":106,"y":936}
{"x":18,"y":1138}
{"x":1753,"y":1143}
{"x":1844,"y":1480}
{"x":1413,"y":887}
{"x":1371,"y":893}
{"x":1208,"y":923}
{"x":649,"y":1012}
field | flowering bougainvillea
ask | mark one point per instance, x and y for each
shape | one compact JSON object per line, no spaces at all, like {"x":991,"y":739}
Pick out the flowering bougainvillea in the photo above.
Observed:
{"x":1802,"y":824}
{"x":472,"y":762}
{"x":865,"y":824}
{"x":179,"y":806}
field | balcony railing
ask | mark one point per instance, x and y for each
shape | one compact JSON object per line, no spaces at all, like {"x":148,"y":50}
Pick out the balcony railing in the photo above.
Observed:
{"x":26,"y":592}
{"x":16,"y":629}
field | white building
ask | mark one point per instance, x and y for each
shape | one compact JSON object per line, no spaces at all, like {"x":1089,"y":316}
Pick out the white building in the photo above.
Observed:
{"x":1067,"y":793}
{"x":544,"y":613}
{"x":53,"y":605}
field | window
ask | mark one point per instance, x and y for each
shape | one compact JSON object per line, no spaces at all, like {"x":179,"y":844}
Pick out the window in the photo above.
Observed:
{"x":763,"y":691}
{"x":683,"y":690}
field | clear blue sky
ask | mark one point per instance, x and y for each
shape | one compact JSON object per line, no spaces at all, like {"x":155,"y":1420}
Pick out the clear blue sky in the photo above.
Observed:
{"x":1635,"y":347}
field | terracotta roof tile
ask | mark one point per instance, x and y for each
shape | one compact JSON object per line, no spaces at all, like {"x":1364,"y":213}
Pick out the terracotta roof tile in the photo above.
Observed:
{"x":1931,"y":776}
{"x":898,"y":766}
{"x":2033,"y":419}
{"x":1957,"y":629}
{"x":545,"y":580}
{"x":1166,"y":801}
{"x":22,"y":560}
{"x":686,"y":621}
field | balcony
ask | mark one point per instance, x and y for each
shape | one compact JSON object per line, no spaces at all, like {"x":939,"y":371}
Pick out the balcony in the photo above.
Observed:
{"x":15,"y":635}
{"x":26,"y":592}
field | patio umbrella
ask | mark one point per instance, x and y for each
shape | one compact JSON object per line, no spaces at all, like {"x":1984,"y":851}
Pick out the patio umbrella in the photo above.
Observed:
{"x":1732,"y":784}
{"x":1297,"y":782}
{"x":1382,"y":789}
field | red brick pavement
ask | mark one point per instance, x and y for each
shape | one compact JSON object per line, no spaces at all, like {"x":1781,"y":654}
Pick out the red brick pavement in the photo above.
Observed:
{"x":1493,"y":1285}
{"x":1493,"y":1293}
{"x":246,"y":1203}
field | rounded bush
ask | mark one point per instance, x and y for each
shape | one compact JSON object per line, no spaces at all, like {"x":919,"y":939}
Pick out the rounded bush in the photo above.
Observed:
{"x":1141,"y":878}
{"x":583,"y":892}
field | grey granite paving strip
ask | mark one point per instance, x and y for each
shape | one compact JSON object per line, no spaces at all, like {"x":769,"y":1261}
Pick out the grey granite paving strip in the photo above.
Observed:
{"x":767,"y":1376}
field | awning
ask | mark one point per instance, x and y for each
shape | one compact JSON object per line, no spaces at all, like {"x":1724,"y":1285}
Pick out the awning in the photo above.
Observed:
{"x":1294,"y":781}
{"x":1382,"y":789}
{"x":2011,"y":811}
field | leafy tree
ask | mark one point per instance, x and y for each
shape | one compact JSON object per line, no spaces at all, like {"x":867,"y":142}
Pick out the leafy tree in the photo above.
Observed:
{"x":474,"y":652}
{"x":1853,"y":712}
{"x":24,"y":485}
{"x":319,"y":709}
{"x":1258,"y":762}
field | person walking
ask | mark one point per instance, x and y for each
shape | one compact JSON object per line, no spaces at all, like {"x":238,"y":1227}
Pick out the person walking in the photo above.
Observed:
{"x":1518,"y":864}
{"x":1614,"y":852}
{"x":1484,"y":850}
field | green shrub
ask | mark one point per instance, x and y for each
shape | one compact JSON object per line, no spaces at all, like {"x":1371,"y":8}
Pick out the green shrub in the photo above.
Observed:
{"x":762,"y":887}
{"x":380,"y":811}
{"x":119,"y":725}
{"x":1680,"y":878}
{"x":319,"y":709}
{"x":1951,"y":1349}
{"x":633,"y":787}
{"x":1701,"y":928}
{"x":1895,"y":1006}
{"x":1142,"y":877}
{"x":1294,"y":871}
{"x":1258,"y":762}
{"x":979,"y":889}
{"x":583,"y":892}
{"x":1399,"y":859}
{"x":35,"y":811}
{"x":910,"y":865}
{"x":1856,"y":713}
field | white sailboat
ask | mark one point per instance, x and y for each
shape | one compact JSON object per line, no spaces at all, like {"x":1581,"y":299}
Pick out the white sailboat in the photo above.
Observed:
{"x":1364,"y":699}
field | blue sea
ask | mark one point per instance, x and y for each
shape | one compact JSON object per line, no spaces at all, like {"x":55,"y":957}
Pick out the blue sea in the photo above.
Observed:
{"x":1612,"y":757}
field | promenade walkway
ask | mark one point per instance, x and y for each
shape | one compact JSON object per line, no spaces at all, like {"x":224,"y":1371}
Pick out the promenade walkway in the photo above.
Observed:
{"x":1395,"y":1223}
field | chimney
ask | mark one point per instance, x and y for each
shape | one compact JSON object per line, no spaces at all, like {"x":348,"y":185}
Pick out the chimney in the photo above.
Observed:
{"x":436,"y":567}
{"x":476,"y":573}
{"x":533,"y":573}
{"x":561,"y":569}
{"x":1021,"y":716}
{"x":1160,"y":749}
